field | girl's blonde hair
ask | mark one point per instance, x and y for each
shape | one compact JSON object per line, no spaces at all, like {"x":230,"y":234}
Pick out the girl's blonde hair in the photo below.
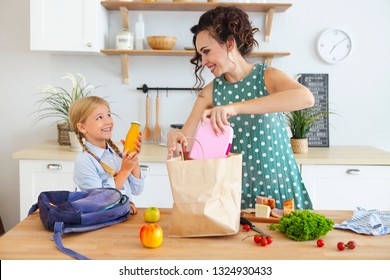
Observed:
{"x":79,"y":111}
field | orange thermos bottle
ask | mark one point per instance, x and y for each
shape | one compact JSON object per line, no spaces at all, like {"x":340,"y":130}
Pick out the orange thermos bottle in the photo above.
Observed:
{"x":132,"y":137}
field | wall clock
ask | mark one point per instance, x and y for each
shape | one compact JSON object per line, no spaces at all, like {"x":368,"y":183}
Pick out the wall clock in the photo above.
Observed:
{"x":333,"y":45}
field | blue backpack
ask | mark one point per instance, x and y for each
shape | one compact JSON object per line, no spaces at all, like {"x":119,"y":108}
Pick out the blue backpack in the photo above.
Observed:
{"x":64,"y":212}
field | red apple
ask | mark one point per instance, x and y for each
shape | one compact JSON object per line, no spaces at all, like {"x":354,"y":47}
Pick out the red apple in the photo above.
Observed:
{"x":151,"y":235}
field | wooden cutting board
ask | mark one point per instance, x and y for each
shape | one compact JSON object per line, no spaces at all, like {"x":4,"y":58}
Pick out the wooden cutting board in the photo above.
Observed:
{"x":251,"y":217}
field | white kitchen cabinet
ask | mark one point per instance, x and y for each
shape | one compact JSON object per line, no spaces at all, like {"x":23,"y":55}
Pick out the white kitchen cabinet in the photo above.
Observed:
{"x":42,"y":175}
{"x":68,"y":25}
{"x":345,"y":187}
{"x":157,"y":191}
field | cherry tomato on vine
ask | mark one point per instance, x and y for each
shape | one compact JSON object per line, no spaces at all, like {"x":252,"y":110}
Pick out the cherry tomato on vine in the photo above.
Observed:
{"x":246,"y":228}
{"x":320,"y":243}
{"x":340,"y":246}
{"x":264,"y":242}
{"x":257,"y":238}
{"x":351,"y":244}
{"x":269,"y":239}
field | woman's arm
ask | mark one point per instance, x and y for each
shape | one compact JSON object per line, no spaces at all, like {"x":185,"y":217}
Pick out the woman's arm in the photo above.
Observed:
{"x":285,"y":95}
{"x":177,"y":136}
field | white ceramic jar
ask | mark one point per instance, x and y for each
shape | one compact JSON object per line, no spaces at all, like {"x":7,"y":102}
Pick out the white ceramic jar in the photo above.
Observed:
{"x":125,"y":40}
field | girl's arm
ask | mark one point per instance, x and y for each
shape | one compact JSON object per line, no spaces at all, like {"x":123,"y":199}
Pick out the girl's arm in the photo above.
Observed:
{"x":130,"y":165}
{"x":86,"y":172}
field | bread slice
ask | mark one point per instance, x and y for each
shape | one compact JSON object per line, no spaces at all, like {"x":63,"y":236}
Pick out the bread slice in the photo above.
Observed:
{"x":288,"y":206}
{"x":265,"y":201}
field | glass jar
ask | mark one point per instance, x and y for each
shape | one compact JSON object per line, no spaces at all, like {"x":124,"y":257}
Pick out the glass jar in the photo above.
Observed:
{"x":132,"y":137}
{"x":125,"y":40}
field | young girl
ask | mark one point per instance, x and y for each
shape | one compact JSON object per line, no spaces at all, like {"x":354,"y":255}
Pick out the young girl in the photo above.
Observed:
{"x":102,"y":164}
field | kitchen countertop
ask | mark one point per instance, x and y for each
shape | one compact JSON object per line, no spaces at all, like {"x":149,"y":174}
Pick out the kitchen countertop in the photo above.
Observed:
{"x":359,"y":155}
{"x":52,"y":150}
{"x":30,"y":240}
{"x":363,"y":155}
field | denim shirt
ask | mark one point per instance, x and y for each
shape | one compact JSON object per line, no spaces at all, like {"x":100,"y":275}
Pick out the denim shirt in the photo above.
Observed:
{"x":88,"y":173}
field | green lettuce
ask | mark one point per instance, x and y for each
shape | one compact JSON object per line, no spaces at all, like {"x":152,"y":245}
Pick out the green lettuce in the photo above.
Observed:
{"x":303,"y":225}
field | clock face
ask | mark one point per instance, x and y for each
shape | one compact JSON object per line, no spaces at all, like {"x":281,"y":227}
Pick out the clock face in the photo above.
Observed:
{"x":333,"y":45}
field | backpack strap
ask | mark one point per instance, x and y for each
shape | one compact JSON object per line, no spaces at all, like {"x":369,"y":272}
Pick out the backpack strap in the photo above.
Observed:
{"x":133,"y":208}
{"x":57,"y":237}
{"x":33,"y":208}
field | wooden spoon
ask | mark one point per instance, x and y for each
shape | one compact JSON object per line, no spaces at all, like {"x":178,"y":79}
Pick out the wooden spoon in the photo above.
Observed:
{"x":157,"y":129}
{"x":147,"y":133}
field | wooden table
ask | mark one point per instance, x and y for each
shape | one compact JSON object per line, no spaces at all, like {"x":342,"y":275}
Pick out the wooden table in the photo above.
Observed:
{"x":30,"y":240}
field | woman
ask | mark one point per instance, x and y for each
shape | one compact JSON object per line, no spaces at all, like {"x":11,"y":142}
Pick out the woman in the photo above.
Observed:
{"x":251,"y":98}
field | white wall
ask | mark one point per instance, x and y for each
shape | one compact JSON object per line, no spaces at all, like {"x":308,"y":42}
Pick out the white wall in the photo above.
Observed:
{"x":359,"y":89}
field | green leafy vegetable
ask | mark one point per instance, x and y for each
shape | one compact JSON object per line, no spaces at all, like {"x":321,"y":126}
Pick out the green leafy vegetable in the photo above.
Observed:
{"x":302,"y":225}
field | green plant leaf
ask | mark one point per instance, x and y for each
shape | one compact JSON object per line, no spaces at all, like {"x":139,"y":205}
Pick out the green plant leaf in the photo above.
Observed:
{"x":54,"y":102}
{"x":301,"y":121}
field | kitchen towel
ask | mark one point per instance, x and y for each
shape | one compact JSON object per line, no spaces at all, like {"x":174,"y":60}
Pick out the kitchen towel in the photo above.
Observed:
{"x":370,"y":222}
{"x":206,"y":196}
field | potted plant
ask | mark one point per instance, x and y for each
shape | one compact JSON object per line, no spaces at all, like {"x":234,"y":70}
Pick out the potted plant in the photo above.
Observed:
{"x":300,"y":122}
{"x":54,"y":102}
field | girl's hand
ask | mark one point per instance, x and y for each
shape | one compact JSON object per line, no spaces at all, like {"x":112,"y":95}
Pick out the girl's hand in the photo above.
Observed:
{"x":219,"y":117}
{"x":138,"y":144}
{"x":175,"y":136}
{"x":129,"y":162}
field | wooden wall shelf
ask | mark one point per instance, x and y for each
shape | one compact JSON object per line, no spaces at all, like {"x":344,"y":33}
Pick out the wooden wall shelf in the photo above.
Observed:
{"x":268,"y":8}
{"x":267,"y":56}
{"x":183,"y":53}
{"x":125,"y":6}
{"x":193,"y":6}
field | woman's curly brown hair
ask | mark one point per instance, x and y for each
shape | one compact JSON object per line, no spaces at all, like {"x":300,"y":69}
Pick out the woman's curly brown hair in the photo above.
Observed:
{"x":223,"y":23}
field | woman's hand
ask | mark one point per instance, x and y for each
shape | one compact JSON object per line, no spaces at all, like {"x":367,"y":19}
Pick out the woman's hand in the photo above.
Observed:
{"x":219,"y":117}
{"x":175,"y":136}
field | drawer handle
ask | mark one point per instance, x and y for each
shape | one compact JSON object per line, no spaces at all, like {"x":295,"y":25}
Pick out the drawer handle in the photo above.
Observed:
{"x":353,"y":171}
{"x":54,"y":166}
{"x":144,"y":167}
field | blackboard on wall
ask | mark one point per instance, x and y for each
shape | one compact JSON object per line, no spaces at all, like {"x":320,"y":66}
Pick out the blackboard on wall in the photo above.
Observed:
{"x":318,"y":135}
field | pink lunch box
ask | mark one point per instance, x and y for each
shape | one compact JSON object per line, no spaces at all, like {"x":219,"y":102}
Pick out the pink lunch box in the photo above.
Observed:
{"x":213,"y":146}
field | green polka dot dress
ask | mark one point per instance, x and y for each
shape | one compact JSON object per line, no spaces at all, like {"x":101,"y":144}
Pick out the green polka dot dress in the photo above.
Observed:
{"x":269,"y":166}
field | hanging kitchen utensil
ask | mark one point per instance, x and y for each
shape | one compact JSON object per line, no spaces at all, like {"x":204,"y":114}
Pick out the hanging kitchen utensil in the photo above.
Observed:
{"x":147,"y":133}
{"x":157,"y":129}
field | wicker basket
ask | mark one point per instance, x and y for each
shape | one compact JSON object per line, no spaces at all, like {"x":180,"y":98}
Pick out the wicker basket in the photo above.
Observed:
{"x":299,"y":146}
{"x":63,"y":134}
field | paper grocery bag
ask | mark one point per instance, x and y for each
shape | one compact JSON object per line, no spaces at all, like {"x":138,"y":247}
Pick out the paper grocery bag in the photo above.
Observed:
{"x":206,"y":196}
